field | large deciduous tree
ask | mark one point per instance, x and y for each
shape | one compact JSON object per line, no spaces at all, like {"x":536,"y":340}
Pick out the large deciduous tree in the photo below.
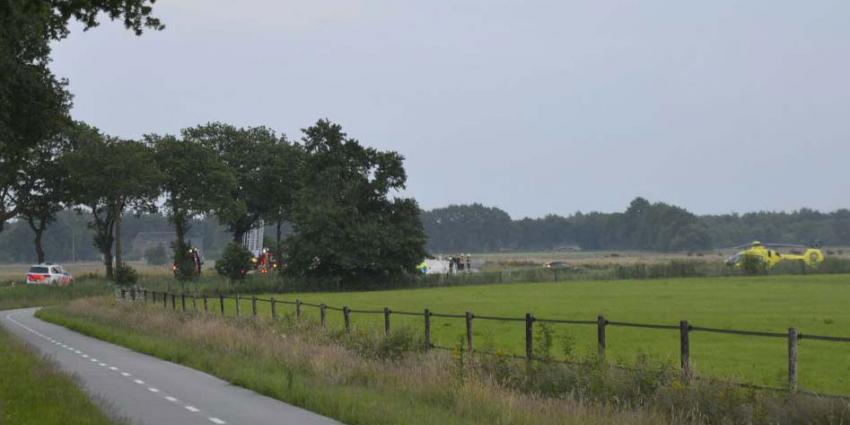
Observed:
{"x":348,"y":224}
{"x":108,"y":176}
{"x":42,"y":192}
{"x":195,"y":182}
{"x":34,"y":103}
{"x":280,"y":183}
{"x":245,"y":152}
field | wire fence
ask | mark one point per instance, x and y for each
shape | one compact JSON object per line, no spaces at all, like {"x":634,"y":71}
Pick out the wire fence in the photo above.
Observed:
{"x":216,"y":305}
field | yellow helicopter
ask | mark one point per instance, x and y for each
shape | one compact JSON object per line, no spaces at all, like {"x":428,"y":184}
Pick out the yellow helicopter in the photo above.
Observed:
{"x":811,"y":257}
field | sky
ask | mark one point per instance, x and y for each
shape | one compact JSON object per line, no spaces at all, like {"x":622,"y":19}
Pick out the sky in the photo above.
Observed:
{"x":533,"y":106}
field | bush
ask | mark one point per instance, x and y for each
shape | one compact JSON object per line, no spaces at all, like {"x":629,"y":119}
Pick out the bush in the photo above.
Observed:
{"x":126,"y":275}
{"x":156,"y":256}
{"x":753,"y":264}
{"x":184,"y":265}
{"x":234,"y":262}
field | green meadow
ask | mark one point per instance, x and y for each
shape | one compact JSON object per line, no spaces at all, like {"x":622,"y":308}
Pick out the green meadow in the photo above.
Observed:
{"x":815,"y":304}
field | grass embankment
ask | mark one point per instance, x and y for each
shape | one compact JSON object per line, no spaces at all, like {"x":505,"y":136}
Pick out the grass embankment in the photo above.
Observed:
{"x":815,"y":304}
{"x":34,"y":392}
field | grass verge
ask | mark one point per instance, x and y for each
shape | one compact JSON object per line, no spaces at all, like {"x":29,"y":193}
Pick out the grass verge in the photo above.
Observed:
{"x":33,"y":391}
{"x":367,"y":378}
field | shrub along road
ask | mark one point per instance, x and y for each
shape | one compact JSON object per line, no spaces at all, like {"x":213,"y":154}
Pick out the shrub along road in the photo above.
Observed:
{"x":148,"y":390}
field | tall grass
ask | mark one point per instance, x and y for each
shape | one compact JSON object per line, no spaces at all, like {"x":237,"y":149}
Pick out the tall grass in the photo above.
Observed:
{"x":369,"y":378}
{"x":19,"y":296}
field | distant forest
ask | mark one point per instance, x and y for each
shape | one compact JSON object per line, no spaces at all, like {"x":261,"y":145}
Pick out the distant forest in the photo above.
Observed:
{"x":642,"y":226}
{"x":477,"y":228}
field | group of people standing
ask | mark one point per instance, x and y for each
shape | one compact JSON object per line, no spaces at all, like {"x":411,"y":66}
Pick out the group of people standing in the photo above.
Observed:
{"x":460,"y":263}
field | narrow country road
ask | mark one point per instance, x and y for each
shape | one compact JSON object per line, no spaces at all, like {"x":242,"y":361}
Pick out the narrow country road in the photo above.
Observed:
{"x":148,"y":390}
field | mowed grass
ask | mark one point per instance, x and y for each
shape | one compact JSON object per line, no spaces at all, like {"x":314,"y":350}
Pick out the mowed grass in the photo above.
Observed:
{"x":34,"y":392}
{"x":815,"y":304}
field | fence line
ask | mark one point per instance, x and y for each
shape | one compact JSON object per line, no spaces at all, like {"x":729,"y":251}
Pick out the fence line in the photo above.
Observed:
{"x":684,"y":328}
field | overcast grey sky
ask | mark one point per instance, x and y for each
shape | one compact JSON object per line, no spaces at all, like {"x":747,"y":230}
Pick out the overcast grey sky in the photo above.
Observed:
{"x":533,"y":106}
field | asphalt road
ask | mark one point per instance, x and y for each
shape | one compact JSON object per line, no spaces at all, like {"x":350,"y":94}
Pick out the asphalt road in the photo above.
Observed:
{"x":148,"y":390}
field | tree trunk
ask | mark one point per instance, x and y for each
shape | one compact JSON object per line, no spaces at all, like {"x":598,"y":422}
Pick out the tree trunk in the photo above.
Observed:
{"x":180,"y":229}
{"x":103,"y":227}
{"x":118,"y":252}
{"x":39,"y":248}
{"x":107,"y":261}
{"x":278,"y":250}
{"x":39,"y":233}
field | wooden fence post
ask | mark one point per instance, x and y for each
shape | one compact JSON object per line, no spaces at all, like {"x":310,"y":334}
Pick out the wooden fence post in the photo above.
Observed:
{"x":206,"y":306}
{"x":237,"y":305}
{"x":601,"y":322}
{"x":322,"y":315}
{"x":123,"y":294}
{"x":274,"y":308}
{"x":174,"y":301}
{"x":297,"y":309}
{"x":427,"y":329}
{"x":194,"y":303}
{"x":529,"y":336}
{"x":133,"y":294}
{"x":221,"y":305}
{"x":346,"y":314}
{"x":165,"y":300}
{"x":685,"y":349}
{"x":469,"y":318}
{"x":254,"y":306}
{"x":387,"y":312}
{"x":183,"y":301}
{"x":793,"y":338}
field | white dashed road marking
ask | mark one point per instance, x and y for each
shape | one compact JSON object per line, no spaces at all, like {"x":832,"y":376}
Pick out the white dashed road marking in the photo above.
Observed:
{"x":190,"y":408}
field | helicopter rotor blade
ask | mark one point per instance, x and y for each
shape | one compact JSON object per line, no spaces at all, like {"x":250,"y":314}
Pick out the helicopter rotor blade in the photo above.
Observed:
{"x":785,"y":245}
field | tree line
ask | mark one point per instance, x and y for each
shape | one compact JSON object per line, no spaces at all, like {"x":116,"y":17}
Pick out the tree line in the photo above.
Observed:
{"x":335,"y":195}
{"x":642,"y":226}
{"x":476,"y":228}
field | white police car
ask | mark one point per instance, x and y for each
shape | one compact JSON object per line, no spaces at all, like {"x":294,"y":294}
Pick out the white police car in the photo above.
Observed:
{"x":48,"y":274}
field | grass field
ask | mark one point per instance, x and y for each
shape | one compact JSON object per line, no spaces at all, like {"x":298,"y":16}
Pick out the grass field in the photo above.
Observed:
{"x":34,"y":392}
{"x":815,"y":304}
